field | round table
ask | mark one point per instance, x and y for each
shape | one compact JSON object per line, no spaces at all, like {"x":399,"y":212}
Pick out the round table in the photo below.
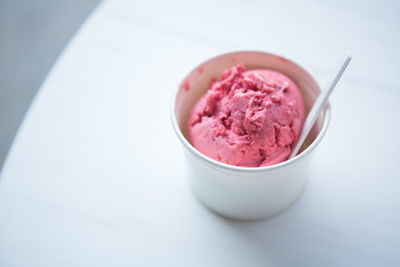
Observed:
{"x":96,"y":176}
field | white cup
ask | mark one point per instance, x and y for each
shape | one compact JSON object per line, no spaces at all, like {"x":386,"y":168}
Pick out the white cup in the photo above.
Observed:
{"x":241,"y":192}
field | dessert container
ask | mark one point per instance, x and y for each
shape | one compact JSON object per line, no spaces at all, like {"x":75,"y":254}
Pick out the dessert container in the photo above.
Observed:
{"x":241,"y":192}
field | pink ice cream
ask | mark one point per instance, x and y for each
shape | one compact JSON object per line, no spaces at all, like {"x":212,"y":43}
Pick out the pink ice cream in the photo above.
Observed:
{"x":249,"y":118}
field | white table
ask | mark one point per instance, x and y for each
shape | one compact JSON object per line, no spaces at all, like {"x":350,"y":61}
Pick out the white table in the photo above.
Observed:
{"x":96,"y":176}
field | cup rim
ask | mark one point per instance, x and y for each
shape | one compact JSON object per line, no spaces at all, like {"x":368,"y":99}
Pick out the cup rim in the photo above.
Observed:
{"x":192,"y":149}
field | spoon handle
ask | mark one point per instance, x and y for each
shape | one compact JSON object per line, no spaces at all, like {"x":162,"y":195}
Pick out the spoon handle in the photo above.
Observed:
{"x":318,"y":106}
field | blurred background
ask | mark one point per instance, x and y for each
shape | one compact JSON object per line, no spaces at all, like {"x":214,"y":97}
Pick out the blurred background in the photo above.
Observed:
{"x":32,"y":36}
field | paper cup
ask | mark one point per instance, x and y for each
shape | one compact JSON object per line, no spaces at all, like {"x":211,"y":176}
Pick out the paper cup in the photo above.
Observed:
{"x":241,"y":192}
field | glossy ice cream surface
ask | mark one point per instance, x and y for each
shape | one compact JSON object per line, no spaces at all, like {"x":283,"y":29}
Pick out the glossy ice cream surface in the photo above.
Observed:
{"x":248,"y":118}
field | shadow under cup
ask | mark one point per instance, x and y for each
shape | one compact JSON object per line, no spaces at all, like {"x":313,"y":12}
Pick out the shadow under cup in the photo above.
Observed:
{"x":242,"y":192}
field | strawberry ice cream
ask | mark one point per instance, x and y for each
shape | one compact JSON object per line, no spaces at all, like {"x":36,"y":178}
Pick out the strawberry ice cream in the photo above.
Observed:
{"x":248,"y":118}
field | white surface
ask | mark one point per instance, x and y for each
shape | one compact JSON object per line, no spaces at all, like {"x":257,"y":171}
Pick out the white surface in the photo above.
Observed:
{"x":75,"y":191}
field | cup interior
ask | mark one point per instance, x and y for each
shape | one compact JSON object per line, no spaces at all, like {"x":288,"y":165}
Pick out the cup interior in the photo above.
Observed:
{"x":198,"y":81}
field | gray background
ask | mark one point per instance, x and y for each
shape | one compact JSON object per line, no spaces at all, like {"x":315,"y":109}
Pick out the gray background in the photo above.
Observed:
{"x":32,"y":36}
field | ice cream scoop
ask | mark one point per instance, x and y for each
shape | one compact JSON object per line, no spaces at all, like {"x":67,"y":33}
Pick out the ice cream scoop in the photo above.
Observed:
{"x":248,"y":118}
